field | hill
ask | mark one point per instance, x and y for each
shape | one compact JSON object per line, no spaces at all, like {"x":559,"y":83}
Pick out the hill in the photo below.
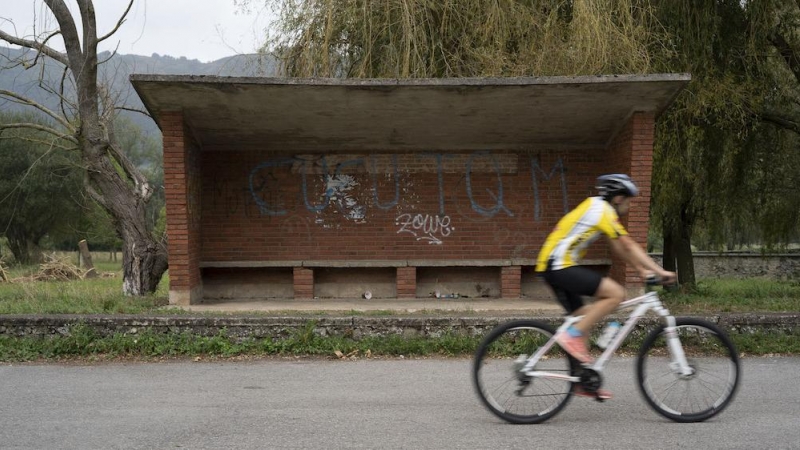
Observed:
{"x":115,"y":73}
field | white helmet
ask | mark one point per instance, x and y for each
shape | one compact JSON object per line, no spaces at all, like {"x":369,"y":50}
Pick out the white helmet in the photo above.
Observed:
{"x":616,"y":184}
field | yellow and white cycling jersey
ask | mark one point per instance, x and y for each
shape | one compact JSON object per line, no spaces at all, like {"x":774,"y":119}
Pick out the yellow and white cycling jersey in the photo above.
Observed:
{"x":567,"y":243}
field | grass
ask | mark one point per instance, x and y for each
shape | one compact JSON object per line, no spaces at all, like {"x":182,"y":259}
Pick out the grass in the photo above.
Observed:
{"x":87,"y":296}
{"x":104,"y":296}
{"x":736,"y":295}
{"x":82,"y":341}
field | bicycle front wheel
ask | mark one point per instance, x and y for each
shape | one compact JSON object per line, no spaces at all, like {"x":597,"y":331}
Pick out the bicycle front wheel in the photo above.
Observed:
{"x":504,"y":389}
{"x":707,"y":390}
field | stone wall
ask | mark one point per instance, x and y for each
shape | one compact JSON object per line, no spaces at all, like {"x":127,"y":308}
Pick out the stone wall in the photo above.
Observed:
{"x":744,"y":265}
{"x":355,"y":327}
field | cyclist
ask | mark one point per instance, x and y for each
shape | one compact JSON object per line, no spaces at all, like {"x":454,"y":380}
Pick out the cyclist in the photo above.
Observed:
{"x":559,"y":259}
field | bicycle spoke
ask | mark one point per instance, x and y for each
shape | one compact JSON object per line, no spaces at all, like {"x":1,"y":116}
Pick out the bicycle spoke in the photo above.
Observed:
{"x":504,"y":389}
{"x":696,"y":396}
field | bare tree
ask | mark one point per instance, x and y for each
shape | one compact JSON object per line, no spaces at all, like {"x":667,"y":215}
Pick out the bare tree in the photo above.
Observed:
{"x":85,"y":123}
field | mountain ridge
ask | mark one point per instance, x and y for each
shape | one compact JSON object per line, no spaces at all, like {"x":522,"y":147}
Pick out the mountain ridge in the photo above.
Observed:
{"x":115,"y":73}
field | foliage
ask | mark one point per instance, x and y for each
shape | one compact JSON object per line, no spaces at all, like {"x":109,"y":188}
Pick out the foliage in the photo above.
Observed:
{"x":720,"y":137}
{"x":456,"y":38}
{"x":40,"y":188}
{"x":726,"y":152}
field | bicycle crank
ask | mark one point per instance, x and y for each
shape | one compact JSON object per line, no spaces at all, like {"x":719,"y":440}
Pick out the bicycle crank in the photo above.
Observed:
{"x":591,"y":381}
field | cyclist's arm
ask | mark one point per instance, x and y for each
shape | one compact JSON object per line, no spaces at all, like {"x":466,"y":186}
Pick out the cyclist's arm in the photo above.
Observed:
{"x":633,"y":253}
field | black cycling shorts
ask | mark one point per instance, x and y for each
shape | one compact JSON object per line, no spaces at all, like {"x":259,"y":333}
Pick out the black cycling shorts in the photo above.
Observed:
{"x":571,"y":284}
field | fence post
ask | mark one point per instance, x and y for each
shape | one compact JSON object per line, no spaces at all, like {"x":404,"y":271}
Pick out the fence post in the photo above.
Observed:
{"x":86,"y":259}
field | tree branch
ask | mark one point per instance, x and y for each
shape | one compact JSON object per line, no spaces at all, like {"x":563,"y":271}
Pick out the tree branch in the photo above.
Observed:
{"x":121,"y":21}
{"x":781,"y":121}
{"x":35,"y":126}
{"x":142,"y":186}
{"x":72,"y":41}
{"x":94,"y":194}
{"x":38,"y":46}
{"x":82,"y":63}
{"x":39,"y":141}
{"x":89,"y":28}
{"x":44,"y":42}
{"x":140,"y":111}
{"x":26,"y":101}
{"x":787,"y":53}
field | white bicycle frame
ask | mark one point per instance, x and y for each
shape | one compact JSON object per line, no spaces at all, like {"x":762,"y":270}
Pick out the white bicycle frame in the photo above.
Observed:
{"x":644,"y":303}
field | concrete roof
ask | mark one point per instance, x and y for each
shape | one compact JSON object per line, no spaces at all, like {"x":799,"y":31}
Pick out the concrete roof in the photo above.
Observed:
{"x":330,"y":115}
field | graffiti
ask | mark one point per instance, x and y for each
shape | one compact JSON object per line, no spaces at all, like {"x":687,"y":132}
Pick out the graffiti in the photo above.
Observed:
{"x":393,"y":203}
{"x":309,"y":206}
{"x":558,"y":166}
{"x":339,"y":189}
{"x":425,"y":227}
{"x":347,"y":186}
{"x":498,"y":198}
{"x":261,"y":183}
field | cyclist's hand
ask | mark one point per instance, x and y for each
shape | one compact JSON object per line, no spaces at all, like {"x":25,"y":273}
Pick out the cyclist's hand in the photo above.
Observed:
{"x":662,"y":277}
{"x":668,"y":278}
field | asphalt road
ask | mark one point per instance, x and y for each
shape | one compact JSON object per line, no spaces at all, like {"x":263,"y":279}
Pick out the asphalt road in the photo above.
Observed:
{"x":375,"y":404}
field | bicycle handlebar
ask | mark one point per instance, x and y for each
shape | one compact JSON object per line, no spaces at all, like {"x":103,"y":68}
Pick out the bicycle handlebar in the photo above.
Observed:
{"x":655,"y":280}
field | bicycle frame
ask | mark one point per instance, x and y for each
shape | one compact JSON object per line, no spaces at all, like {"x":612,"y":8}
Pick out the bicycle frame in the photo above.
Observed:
{"x":643,"y":304}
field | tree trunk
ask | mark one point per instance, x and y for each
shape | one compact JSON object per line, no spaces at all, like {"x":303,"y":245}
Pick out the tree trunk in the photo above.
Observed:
{"x":683,"y":251}
{"x":144,"y":258}
{"x":24,"y":250}
{"x":685,"y":262}
{"x":144,"y":262}
{"x":668,"y":260}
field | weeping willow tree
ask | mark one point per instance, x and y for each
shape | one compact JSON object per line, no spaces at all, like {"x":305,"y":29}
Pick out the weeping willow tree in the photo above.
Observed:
{"x":725,"y":152}
{"x":462,"y":38}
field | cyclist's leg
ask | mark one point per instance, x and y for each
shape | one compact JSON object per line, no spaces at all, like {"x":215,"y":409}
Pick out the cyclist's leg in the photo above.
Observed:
{"x":608,"y":296}
{"x":569,"y":285}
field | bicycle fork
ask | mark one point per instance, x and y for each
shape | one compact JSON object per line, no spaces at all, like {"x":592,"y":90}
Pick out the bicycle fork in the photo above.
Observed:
{"x":679,"y":362}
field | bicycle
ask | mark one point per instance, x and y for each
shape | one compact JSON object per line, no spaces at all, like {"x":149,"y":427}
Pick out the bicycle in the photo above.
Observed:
{"x":687,"y":368}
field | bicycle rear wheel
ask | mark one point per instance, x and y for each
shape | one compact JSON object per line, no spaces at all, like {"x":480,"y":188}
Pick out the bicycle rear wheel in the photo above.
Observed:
{"x":704,"y":393}
{"x":507,"y":392}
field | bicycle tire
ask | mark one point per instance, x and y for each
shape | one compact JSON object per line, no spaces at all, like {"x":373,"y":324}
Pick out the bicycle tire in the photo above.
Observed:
{"x":501,"y":387}
{"x":712,"y":355}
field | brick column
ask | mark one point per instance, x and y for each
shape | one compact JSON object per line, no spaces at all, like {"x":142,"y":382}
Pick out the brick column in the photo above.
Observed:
{"x":510,"y":281}
{"x":182,"y":192}
{"x":406,"y":282}
{"x":633,"y":149}
{"x":303,"y":282}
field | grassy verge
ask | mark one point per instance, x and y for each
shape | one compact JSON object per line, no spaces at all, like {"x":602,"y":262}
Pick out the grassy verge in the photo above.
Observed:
{"x":101,"y":295}
{"x":104,"y":296}
{"x":736,"y":295}
{"x":83,"y":343}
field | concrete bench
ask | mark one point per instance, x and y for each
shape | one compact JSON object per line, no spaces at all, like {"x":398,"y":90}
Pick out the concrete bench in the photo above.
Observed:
{"x":406,"y":272}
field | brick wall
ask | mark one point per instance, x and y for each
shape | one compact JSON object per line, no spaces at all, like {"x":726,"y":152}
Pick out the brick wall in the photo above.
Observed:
{"x":182,"y":184}
{"x":269,"y":206}
{"x":283,"y":206}
{"x":631,"y":152}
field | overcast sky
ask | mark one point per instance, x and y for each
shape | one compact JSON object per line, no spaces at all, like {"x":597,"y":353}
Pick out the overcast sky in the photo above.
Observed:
{"x":197,"y":29}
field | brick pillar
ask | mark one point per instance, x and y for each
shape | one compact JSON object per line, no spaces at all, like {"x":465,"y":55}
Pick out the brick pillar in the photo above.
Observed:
{"x":510,"y":281}
{"x":633,"y":149}
{"x":303,"y":282}
{"x":406,"y":282}
{"x":182,"y":192}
